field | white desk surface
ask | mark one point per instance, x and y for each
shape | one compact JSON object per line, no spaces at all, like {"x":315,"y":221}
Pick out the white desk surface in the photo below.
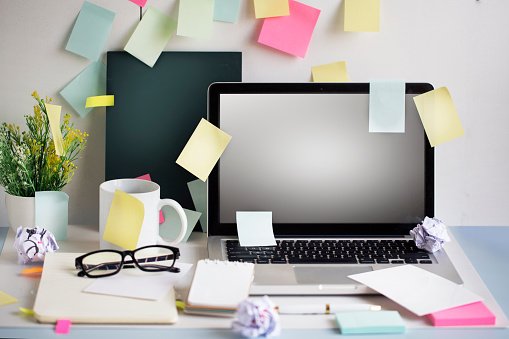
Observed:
{"x":84,"y":239}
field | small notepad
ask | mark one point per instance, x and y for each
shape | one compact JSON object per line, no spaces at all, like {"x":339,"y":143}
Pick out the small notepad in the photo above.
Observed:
{"x":467,"y":315}
{"x":219,"y":286}
{"x":370,"y":322}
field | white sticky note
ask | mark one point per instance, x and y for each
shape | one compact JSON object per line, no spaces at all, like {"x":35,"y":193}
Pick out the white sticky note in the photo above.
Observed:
{"x":255,"y":229}
{"x":418,"y":290}
{"x":387,"y":106}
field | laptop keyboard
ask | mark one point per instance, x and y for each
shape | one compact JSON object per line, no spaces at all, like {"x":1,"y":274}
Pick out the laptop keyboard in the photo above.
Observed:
{"x":330,"y":252}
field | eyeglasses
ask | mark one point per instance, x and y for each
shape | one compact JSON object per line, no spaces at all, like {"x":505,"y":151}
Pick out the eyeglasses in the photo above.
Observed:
{"x":103,"y":263}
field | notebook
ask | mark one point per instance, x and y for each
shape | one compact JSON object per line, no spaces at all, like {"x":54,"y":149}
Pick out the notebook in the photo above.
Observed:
{"x":61,"y":290}
{"x":218,"y":287}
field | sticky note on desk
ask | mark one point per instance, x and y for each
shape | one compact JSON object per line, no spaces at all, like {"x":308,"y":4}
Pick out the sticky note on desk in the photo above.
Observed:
{"x":6,"y":299}
{"x":54,"y":124}
{"x":362,"y":15}
{"x":387,"y":106}
{"x":333,"y":72}
{"x":370,"y":322}
{"x":255,"y":228}
{"x":467,"y":315}
{"x":271,"y":8}
{"x":195,"y":18}
{"x":439,"y":116}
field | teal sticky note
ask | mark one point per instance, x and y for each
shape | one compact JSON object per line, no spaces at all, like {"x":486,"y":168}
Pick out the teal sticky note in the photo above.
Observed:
{"x":90,"y":31}
{"x":226,"y":10}
{"x":195,"y":18}
{"x":51,"y":212}
{"x":151,"y":36}
{"x":370,"y":322}
{"x":89,"y":83}
{"x":387,"y":106}
{"x":198,"y":190}
{"x":170,"y":229}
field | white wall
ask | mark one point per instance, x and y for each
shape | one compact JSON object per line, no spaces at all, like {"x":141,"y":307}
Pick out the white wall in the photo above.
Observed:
{"x":461,"y":44}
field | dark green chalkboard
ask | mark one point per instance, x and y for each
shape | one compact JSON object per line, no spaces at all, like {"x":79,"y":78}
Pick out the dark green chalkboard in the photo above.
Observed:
{"x":156,"y":110}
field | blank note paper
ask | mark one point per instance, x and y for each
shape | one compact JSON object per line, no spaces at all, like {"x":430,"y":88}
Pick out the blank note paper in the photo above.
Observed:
{"x":362,"y":15}
{"x":271,"y":8}
{"x":6,"y":299}
{"x":290,"y":34}
{"x":198,"y":190}
{"x":255,"y":229}
{"x":226,"y":10}
{"x":333,"y":72}
{"x":439,"y":116}
{"x":90,"y":31}
{"x":370,"y":322}
{"x":195,"y":18}
{"x":203,"y":149}
{"x":125,"y":218}
{"x":54,"y":124}
{"x":100,"y":101}
{"x":151,"y":36}
{"x":387,"y":106}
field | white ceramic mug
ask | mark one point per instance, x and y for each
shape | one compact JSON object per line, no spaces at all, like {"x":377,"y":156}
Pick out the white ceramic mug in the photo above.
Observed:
{"x":149,"y":194}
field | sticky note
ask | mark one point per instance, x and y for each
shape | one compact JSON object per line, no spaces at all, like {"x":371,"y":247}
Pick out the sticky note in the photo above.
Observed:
{"x":148,"y":178}
{"x":170,"y":229}
{"x":6,"y":299}
{"x":255,"y":228}
{"x":362,"y":15}
{"x":151,"y":36}
{"x":90,"y":31}
{"x":32,"y":271}
{"x":125,"y":218}
{"x":198,"y":190}
{"x":52,"y":212}
{"x":26,"y":311}
{"x":467,"y":315}
{"x":195,"y":18}
{"x":370,"y":322}
{"x":63,"y":326}
{"x":271,"y":8}
{"x":290,"y":34}
{"x":226,"y":10}
{"x":54,"y":124}
{"x":100,"y":101}
{"x":90,"y":82}
{"x":439,"y":116}
{"x":333,"y":72}
{"x":387,"y":106}
{"x":203,"y":149}
{"x":140,"y":3}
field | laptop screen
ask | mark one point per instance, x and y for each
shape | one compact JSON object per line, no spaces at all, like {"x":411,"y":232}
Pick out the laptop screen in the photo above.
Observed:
{"x":304,"y":152}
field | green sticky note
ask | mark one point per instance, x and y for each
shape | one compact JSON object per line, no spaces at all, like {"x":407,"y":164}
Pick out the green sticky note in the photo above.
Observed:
{"x":198,"y":190}
{"x":387,"y":106}
{"x":226,"y":10}
{"x":90,"y":31}
{"x":151,"y":36}
{"x":195,"y":18}
{"x":90,"y":82}
{"x":370,"y":322}
{"x":51,"y":212}
{"x":170,"y":229}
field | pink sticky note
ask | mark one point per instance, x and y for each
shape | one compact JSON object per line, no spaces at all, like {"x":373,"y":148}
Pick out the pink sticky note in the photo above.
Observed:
{"x":467,"y":315}
{"x":148,"y":178}
{"x":63,"y":326}
{"x":290,"y":34}
{"x":140,"y":3}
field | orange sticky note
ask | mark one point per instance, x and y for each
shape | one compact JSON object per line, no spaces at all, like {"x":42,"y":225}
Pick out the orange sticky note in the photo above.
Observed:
{"x":32,"y":271}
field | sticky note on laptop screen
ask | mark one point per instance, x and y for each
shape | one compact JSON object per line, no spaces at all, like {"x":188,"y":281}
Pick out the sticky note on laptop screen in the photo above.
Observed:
{"x":370,"y":322}
{"x":387,"y":106}
{"x":255,"y":228}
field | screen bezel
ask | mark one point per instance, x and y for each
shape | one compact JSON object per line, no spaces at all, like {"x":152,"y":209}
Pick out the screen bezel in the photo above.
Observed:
{"x":215,"y":228}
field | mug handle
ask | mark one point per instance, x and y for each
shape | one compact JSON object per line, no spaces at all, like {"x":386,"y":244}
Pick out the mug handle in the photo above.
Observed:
{"x":183,"y":221}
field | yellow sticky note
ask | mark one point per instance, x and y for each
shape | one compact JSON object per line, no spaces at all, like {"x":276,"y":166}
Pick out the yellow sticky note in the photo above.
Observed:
{"x":362,"y":15}
{"x":100,"y":101}
{"x":439,"y":116}
{"x":54,"y":124}
{"x":123,"y":225}
{"x":271,"y":8}
{"x":6,"y":299}
{"x":26,"y":311}
{"x":203,"y":149}
{"x":334,"y":72}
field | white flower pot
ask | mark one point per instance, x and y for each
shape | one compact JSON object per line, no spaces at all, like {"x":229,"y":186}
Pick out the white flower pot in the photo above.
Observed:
{"x":20,"y":211}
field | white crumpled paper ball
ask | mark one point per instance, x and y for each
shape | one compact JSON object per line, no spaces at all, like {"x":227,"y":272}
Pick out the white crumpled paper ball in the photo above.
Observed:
{"x":430,"y":235}
{"x":257,"y":318}
{"x":32,"y":244}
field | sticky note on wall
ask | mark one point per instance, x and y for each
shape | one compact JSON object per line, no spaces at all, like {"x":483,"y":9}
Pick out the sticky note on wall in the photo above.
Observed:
{"x":195,"y":18}
{"x":362,"y":15}
{"x":333,"y":72}
{"x":439,"y":116}
{"x":226,"y":10}
{"x":100,"y":101}
{"x":271,"y":8}
{"x":198,"y":190}
{"x":387,"y":106}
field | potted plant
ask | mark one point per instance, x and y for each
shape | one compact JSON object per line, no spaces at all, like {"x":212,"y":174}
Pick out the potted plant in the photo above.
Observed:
{"x":29,"y":163}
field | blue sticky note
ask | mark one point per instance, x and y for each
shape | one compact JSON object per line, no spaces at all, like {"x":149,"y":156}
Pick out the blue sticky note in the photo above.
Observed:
{"x":170,"y":229}
{"x":226,"y":10}
{"x":255,"y":228}
{"x":89,"y":83}
{"x":370,"y":322}
{"x":51,"y":212}
{"x":387,"y":106}
{"x":90,"y":31}
{"x":198,"y":190}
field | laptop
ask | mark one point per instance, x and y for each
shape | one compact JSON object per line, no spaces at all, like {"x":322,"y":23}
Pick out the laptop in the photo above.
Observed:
{"x":343,"y":200}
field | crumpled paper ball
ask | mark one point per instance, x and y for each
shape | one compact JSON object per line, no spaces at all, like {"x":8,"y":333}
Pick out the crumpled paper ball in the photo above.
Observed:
{"x":257,"y":317}
{"x":32,"y":244}
{"x":430,"y":235}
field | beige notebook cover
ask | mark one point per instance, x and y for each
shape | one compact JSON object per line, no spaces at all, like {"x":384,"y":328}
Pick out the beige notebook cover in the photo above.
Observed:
{"x":60,"y":296}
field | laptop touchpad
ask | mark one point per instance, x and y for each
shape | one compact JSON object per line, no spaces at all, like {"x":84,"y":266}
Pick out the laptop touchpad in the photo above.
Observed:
{"x":327,"y":275}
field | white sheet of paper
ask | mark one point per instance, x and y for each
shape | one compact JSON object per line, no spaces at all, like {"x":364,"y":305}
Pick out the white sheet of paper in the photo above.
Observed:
{"x":255,"y":229}
{"x":142,"y":285}
{"x":418,"y":290}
